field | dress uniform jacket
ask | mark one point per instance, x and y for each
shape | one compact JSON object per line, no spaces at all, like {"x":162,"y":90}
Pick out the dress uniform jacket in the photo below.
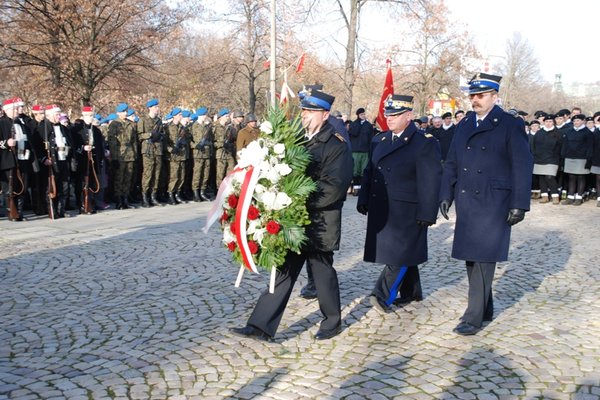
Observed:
{"x":488,"y":171}
{"x":331,"y":168}
{"x":7,"y":159}
{"x":400,"y":185}
{"x":578,"y":144}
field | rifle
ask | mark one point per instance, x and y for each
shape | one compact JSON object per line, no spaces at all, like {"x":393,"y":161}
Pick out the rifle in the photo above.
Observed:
{"x":13,"y":212}
{"x":87,"y":207}
{"x":51,"y":181}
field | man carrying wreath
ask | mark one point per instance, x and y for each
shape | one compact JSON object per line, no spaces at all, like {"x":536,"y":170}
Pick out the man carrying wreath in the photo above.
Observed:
{"x":331,"y":169}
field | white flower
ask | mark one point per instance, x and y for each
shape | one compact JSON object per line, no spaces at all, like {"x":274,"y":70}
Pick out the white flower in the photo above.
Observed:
{"x":252,"y":225}
{"x":252,"y":154}
{"x":228,"y":236}
{"x":258,"y":235}
{"x":266,"y":127}
{"x":276,"y":201}
{"x":268,"y":172}
{"x":283,"y":169}
{"x":259,"y":188}
{"x":279,"y":149}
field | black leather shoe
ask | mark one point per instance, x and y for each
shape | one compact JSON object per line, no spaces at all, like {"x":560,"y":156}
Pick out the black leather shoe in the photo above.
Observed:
{"x":379,"y":305}
{"x":308,"y":292}
{"x":251,"y":332}
{"x":324,"y":334}
{"x":466,"y":329}
{"x":401,"y":301}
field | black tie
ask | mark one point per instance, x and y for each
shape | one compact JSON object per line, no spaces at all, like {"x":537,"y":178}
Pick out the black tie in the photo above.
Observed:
{"x":395,"y":137}
{"x":478,"y":123}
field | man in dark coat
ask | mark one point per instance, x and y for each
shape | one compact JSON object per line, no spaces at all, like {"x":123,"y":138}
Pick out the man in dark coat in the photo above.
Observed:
{"x":361,"y":133}
{"x":488,"y":173}
{"x":331,"y":169}
{"x":444,"y":134}
{"x":399,"y":191}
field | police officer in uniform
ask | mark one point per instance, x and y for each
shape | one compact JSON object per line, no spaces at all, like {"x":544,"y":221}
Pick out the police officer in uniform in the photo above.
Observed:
{"x":399,"y":192}
{"x":331,"y":169}
{"x":488,"y":174}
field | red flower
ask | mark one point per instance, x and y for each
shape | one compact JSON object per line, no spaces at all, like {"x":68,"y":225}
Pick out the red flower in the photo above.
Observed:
{"x":253,"y":246}
{"x":273,"y":227}
{"x":232,"y":228}
{"x":253,"y":213}
{"x":224,"y":217}
{"x":232,"y":200}
{"x":231,"y":246}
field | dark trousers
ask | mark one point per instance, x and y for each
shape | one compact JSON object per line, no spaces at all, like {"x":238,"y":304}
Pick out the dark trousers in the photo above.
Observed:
{"x":480,"y":304}
{"x":270,"y":306}
{"x":411,"y":285}
{"x":391,"y":280}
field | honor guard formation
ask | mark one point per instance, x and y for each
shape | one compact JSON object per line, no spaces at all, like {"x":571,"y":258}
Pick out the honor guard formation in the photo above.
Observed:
{"x":59,"y":165}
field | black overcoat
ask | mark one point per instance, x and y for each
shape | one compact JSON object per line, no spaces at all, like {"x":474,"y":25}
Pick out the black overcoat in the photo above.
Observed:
{"x":400,"y":185}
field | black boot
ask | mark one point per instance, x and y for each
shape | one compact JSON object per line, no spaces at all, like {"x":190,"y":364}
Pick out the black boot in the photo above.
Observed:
{"x":145,"y":202}
{"x":60,"y":209}
{"x":125,"y":203}
{"x":119,"y":202}
{"x":172,"y":200}
{"x":204,"y":196}
{"x":153,"y":199}
{"x":178,"y":198}
{"x":197,"y":196}
{"x":20,"y":204}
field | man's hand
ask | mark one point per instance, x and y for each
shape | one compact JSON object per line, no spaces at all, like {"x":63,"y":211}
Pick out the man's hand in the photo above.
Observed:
{"x":362,"y":208}
{"x":515,"y":216}
{"x":11,"y":142}
{"x":444,"y":207}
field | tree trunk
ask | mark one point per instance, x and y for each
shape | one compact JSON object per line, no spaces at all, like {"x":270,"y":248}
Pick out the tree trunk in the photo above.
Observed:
{"x":350,"y":56}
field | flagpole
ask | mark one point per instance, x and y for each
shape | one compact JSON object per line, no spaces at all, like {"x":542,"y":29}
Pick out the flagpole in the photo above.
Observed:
{"x":272,"y":71}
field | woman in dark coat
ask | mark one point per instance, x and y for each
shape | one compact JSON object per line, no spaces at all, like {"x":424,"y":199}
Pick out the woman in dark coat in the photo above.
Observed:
{"x":577,"y":152}
{"x":546,"y":146}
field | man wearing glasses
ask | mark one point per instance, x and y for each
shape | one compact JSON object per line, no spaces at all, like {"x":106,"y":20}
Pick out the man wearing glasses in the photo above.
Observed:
{"x":488,"y":174}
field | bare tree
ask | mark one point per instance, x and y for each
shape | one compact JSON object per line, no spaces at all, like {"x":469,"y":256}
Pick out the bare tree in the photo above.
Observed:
{"x":520,"y":71}
{"x":79,"y":45}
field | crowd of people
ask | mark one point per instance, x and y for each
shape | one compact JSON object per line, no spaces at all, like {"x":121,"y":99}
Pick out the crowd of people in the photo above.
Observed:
{"x":52,"y":165}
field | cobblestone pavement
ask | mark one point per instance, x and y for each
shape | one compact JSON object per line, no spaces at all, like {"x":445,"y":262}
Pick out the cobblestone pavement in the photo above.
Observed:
{"x":137,"y":304}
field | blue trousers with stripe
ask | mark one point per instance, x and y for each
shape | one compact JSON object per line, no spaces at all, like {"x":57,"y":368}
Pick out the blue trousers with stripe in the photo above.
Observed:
{"x":389,"y":282}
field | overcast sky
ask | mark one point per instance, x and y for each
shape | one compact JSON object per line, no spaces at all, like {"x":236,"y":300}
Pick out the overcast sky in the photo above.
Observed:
{"x":563,"y":34}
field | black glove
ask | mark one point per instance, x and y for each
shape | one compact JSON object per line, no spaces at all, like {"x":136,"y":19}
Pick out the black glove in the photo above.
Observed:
{"x":362,"y":208}
{"x":424,"y":224}
{"x":588,"y":164}
{"x":444,"y":207}
{"x":515,"y":216}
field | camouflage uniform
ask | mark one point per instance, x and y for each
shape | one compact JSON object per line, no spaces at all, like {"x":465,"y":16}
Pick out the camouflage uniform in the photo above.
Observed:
{"x":152,"y":137}
{"x":178,"y":145}
{"x":203,"y":152}
{"x":225,"y":150}
{"x":122,"y":142}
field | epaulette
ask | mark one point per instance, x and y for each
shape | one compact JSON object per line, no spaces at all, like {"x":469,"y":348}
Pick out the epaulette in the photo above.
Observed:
{"x":340,"y":137}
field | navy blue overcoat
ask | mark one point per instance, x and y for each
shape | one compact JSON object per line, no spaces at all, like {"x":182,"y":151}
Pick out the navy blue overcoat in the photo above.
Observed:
{"x":400,"y":185}
{"x":487,"y":172}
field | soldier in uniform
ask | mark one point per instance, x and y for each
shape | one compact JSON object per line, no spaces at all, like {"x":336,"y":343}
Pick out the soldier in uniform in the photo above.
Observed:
{"x":204,"y":148}
{"x":7,"y":157}
{"x":248,"y":133}
{"x":89,"y":150}
{"x":122,"y":141}
{"x":488,"y":173}
{"x":152,"y":137}
{"x":399,"y":191}
{"x":224,"y":146}
{"x":178,"y":148}
{"x":38,"y":198}
{"x":56,"y":153}
{"x":331,"y":169}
